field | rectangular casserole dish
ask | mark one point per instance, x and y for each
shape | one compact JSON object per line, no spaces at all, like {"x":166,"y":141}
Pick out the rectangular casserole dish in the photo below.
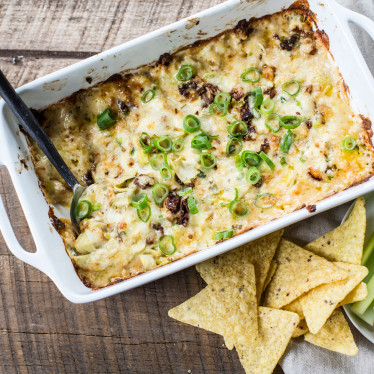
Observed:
{"x":51,"y":257}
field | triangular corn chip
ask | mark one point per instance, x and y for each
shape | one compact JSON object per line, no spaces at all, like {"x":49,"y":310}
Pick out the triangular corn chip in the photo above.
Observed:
{"x":357,"y":294}
{"x":259,"y":253}
{"x":301,"y":329}
{"x":295,"y":307}
{"x":227,"y":307}
{"x":271,"y":272}
{"x":346,"y":242}
{"x":298,"y":272}
{"x":319,"y":303}
{"x":275,"y":330}
{"x":335,"y":335}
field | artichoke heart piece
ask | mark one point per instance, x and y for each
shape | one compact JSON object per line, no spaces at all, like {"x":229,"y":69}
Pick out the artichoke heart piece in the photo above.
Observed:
{"x":122,"y":183}
{"x":186,"y":170}
{"x":89,"y":241}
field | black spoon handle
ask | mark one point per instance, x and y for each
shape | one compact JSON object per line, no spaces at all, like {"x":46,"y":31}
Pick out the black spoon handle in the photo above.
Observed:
{"x":35,"y":130}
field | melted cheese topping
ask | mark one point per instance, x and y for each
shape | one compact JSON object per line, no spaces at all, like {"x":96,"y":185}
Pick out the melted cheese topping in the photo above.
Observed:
{"x":114,"y":243}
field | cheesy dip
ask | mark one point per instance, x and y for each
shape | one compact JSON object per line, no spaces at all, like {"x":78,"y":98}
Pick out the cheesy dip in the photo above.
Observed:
{"x":207,"y":143}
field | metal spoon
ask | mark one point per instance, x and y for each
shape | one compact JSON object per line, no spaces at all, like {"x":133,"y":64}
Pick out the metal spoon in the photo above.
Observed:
{"x":36,"y":132}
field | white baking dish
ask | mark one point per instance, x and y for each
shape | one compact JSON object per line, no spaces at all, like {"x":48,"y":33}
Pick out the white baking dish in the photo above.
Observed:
{"x":51,"y":257}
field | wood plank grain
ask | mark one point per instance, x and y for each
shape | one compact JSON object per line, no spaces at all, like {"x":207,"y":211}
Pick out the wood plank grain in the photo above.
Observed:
{"x":86,"y":26}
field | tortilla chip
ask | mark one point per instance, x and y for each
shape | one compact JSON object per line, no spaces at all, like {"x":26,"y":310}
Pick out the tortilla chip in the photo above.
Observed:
{"x":335,"y":335}
{"x":357,"y":294}
{"x":259,"y":253}
{"x":298,"y":272}
{"x":295,"y":307}
{"x":301,"y":329}
{"x":275,"y":330}
{"x":346,"y":242}
{"x":228,"y":307}
{"x":319,"y":303}
{"x":271,"y":272}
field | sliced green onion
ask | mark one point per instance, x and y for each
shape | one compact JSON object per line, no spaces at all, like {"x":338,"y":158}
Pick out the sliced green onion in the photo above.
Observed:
{"x":185,"y":191}
{"x":251,"y":75}
{"x":253,"y":175}
{"x":132,"y":152}
{"x":145,"y":142}
{"x":219,"y":110}
{"x":144,"y":214}
{"x":106,"y":119}
{"x":237,"y":128}
{"x":239,"y":162}
{"x":166,"y":172}
{"x":160,"y":192}
{"x":148,"y":96}
{"x":157,"y":161}
{"x":192,"y":206}
{"x":291,"y":87}
{"x":255,"y":112}
{"x":267,"y":160}
{"x":163,"y":143}
{"x":83,"y":209}
{"x":238,"y":209}
{"x":273,"y":122}
{"x":96,"y":207}
{"x":258,"y":97}
{"x":286,"y":142}
{"x":251,"y":158}
{"x":265,"y":200}
{"x":349,"y":143}
{"x":167,"y":246}
{"x":185,"y":73}
{"x":283,"y":161}
{"x":191,"y":124}
{"x":225,"y":234}
{"x":207,"y":160}
{"x":139,"y":201}
{"x":222,"y":98}
{"x":178,"y":145}
{"x":267,"y":106}
{"x":209,"y":135}
{"x":290,"y":122}
{"x":201,"y":142}
{"x":234,"y":146}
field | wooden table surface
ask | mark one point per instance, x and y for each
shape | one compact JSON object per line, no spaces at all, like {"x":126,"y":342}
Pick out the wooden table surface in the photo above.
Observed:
{"x":40,"y":331}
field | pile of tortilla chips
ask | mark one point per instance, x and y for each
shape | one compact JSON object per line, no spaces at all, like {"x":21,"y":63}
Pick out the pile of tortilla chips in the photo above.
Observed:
{"x":261,"y":295}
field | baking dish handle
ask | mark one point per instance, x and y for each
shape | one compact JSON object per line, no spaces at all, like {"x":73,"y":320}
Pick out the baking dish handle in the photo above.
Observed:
{"x":12,"y":242}
{"x":360,"y":20}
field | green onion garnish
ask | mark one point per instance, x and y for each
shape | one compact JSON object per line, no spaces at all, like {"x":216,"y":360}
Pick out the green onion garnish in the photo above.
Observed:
{"x":222,"y":98}
{"x":106,"y":119}
{"x":234,"y":146}
{"x":185,"y":191}
{"x":219,"y":110}
{"x":178,"y":145}
{"x":192,"y":206}
{"x":185,"y":73}
{"x":144,"y":214}
{"x":237,"y":128}
{"x":139,"y":201}
{"x":166,"y":172}
{"x":145,"y":142}
{"x":291,"y":87}
{"x":163,"y":143}
{"x":239,"y":162}
{"x":157,"y":161}
{"x":265,"y":200}
{"x":148,"y":96}
{"x":290,"y":122}
{"x":251,"y":75}
{"x":286,"y":142}
{"x":96,"y":207}
{"x":191,"y":124}
{"x":267,"y":106}
{"x":251,"y":158}
{"x":226,"y":234}
{"x":83,"y":209}
{"x":349,"y":143}
{"x":273,"y":122}
{"x":267,"y":160}
{"x":160,"y":192}
{"x":283,"y":161}
{"x":257,"y":96}
{"x":253,"y":175}
{"x":207,"y":160}
{"x":167,"y":246}
{"x":255,"y":112}
{"x":201,"y":142}
{"x":238,"y":209}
